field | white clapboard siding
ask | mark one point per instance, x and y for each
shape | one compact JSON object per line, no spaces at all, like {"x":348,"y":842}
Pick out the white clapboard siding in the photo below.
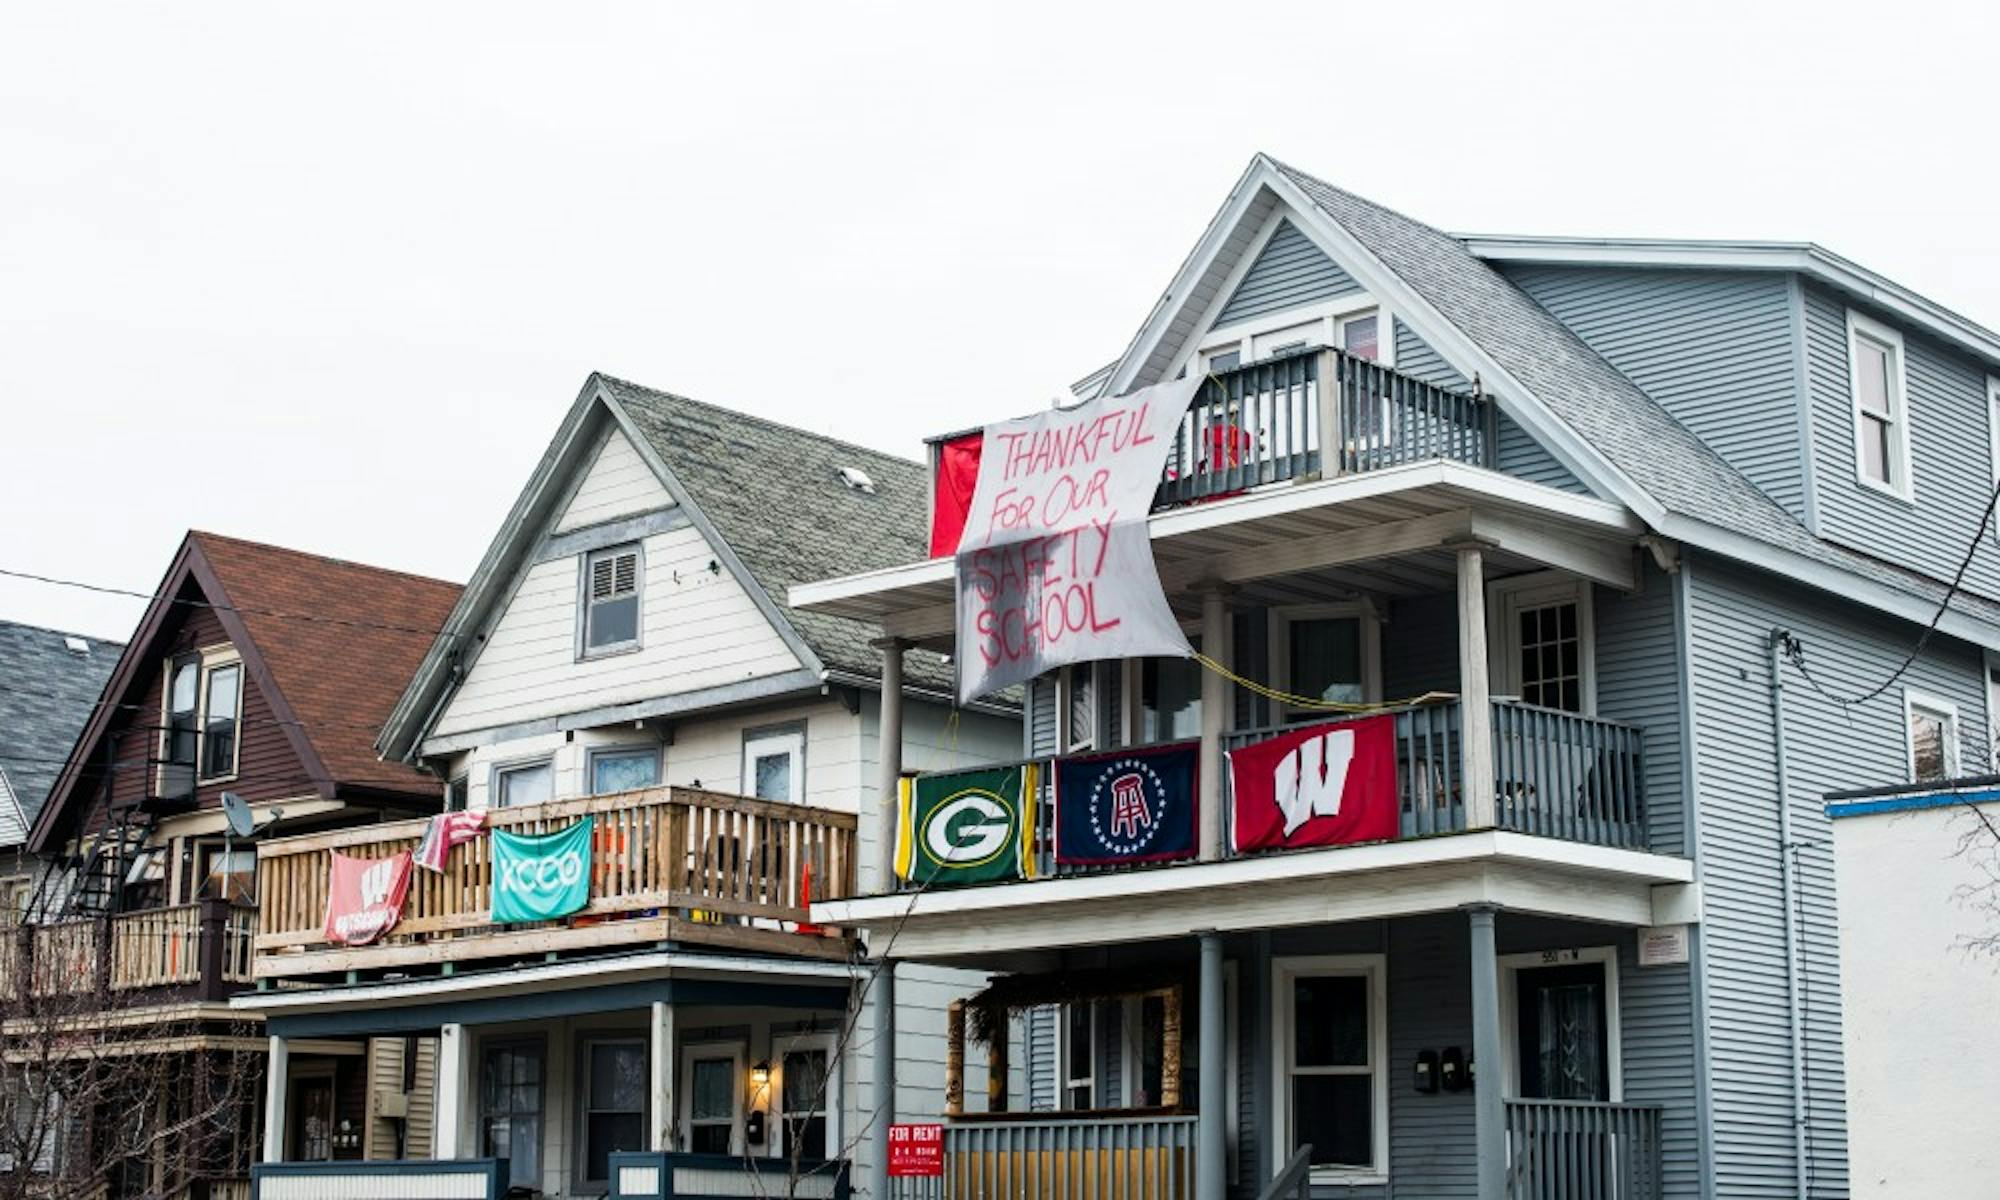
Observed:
{"x":710,"y":752}
{"x":618,"y":484}
{"x":700,"y":629}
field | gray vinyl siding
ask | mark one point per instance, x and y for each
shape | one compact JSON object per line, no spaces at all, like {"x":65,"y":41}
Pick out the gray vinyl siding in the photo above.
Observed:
{"x":1731,"y":611}
{"x":1290,"y":271}
{"x":1950,"y":455}
{"x":1518,"y":454}
{"x":1714,"y":348}
{"x":1415,"y":357}
{"x":1638,"y":674}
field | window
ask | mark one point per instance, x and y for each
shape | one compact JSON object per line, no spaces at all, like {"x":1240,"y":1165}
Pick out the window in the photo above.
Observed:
{"x":183,"y":734}
{"x":1076,"y":706}
{"x":807,"y":1092}
{"x":230,"y":873}
{"x":624,"y":770}
{"x":1544,"y":648}
{"x":1933,"y":726}
{"x":611,"y":600}
{"x":1881,"y":406}
{"x":1327,"y":652}
{"x":1288,"y":339}
{"x":712,"y":1100}
{"x":219,"y":721}
{"x":1330,"y":1054}
{"x":614,"y":1103}
{"x":1170,"y":698}
{"x":1360,"y":335}
{"x":457,"y":794}
{"x":510,"y":1109}
{"x":526,"y":783}
{"x":1078,"y":1055}
{"x":774,"y":765}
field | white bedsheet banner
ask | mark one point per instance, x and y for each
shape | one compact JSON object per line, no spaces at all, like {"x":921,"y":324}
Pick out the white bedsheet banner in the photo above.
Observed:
{"x":1056,"y":565}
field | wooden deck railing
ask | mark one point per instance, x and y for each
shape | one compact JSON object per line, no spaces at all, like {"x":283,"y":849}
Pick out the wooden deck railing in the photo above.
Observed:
{"x":182,"y":945}
{"x":665,"y":862}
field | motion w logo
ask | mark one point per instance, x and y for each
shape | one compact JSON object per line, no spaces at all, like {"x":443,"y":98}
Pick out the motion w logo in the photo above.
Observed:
{"x":1310,"y":779}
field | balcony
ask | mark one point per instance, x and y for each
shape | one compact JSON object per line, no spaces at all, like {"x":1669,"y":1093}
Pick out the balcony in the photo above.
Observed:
{"x":190,"y":951}
{"x":667,"y":864}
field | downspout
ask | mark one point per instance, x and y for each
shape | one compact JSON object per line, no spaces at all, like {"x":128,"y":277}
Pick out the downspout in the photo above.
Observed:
{"x":1788,"y":889}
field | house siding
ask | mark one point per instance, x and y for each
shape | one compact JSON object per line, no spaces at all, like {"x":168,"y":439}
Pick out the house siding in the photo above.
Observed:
{"x":1951,"y":458}
{"x":1713,"y":348}
{"x":1290,"y":271}
{"x":1829,"y":746}
{"x":618,"y":483}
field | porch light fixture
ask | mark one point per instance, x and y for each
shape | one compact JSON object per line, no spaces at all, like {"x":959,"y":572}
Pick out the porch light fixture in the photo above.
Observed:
{"x":760,"y":1072}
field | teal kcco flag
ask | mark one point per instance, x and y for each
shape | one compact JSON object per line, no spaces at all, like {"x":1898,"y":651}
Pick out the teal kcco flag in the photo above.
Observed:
{"x":538,"y":877}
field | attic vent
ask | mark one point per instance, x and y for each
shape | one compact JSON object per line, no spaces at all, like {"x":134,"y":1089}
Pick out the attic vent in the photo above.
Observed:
{"x":857,"y":479}
{"x":76,"y":644}
{"x":614,"y":577}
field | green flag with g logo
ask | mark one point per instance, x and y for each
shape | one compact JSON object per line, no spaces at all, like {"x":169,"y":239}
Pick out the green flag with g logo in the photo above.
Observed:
{"x":537,"y":877}
{"x":967,"y":826}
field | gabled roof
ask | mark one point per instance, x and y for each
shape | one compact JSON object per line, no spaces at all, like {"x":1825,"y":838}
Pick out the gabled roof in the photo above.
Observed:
{"x":328,"y":643}
{"x":48,"y":689}
{"x":1593,"y":418}
{"x":768,"y":497}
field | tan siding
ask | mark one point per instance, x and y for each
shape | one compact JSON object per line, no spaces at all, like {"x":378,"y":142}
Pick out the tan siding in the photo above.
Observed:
{"x":618,"y":484}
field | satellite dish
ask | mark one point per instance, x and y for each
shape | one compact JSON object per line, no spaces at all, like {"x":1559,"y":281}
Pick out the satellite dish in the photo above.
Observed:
{"x":237,"y":813}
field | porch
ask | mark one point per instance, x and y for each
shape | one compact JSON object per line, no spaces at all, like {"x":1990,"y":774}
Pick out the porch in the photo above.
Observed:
{"x":198,"y":952}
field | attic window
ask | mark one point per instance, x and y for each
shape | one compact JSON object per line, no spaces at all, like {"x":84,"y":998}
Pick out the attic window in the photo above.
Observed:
{"x":857,"y":479}
{"x":611,"y":600}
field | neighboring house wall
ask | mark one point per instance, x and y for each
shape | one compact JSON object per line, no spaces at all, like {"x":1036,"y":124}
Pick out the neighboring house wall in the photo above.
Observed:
{"x":1713,"y":348}
{"x":699,"y":628}
{"x":1951,"y":456}
{"x":1730,"y":612}
{"x":1918,"y":1019}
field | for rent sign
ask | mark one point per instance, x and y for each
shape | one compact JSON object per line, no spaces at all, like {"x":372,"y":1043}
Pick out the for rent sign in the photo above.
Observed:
{"x":916,"y":1150}
{"x":1056,"y":564}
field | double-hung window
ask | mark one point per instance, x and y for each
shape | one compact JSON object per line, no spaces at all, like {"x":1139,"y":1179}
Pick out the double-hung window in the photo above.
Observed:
{"x":204,"y":719}
{"x":1933,"y":733}
{"x":611,"y":580}
{"x":524,"y":783}
{"x":614,"y":1103}
{"x":1881,"y":406}
{"x":183,"y":733}
{"x":1331,"y":1063}
{"x":808,"y":1096}
{"x":221,"y":717}
{"x":1079,"y":1056}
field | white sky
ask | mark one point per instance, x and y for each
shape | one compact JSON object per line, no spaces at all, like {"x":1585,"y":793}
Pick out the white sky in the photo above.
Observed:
{"x":328,"y":276}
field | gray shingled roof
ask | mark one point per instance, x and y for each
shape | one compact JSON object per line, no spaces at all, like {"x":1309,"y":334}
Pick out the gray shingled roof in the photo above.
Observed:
{"x":1627,"y":427}
{"x":775,"y":495}
{"x":47,"y":692}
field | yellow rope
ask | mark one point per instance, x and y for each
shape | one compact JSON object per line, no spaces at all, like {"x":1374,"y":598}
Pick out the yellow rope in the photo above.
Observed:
{"x":1307,"y":702}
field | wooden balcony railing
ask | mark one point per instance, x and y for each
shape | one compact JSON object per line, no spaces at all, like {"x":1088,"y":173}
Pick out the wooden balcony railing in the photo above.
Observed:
{"x":665,"y":863}
{"x":205,"y":946}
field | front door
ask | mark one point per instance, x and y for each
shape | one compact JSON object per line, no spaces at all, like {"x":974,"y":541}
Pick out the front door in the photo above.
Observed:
{"x":712,"y":1098}
{"x":312,"y":1128}
{"x":1564,"y":1046}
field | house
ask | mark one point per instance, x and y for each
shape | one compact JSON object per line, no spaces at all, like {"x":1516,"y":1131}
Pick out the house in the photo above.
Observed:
{"x":52,"y":681}
{"x":625,"y":655}
{"x":1620,"y":554}
{"x":257,"y":675}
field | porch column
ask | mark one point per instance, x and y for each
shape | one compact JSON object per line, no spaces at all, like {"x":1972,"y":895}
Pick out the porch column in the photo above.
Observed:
{"x":661,"y":1137}
{"x":1489,"y":1110}
{"x":1215,"y":643}
{"x":1474,"y":694}
{"x":882,"y":1092}
{"x":1210,"y":1154}
{"x":276,"y":1085}
{"x":453,"y":1060}
{"x":888,"y":762}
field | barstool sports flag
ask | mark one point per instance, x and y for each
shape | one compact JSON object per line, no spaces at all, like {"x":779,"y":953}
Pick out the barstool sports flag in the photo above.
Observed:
{"x":1056,"y":563}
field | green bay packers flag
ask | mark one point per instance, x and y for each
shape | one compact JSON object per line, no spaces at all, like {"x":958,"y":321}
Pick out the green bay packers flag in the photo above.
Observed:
{"x":967,"y":827}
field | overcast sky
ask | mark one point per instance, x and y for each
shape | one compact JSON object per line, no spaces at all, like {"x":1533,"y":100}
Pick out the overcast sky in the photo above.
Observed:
{"x":328,"y":276}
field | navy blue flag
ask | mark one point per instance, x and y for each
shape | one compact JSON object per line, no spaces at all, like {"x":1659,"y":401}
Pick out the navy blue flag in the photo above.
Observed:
{"x":1127,"y":806}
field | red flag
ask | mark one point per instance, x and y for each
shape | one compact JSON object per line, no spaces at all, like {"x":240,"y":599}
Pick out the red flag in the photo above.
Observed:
{"x":364,"y":897}
{"x":956,"y":478}
{"x":1323,"y":785}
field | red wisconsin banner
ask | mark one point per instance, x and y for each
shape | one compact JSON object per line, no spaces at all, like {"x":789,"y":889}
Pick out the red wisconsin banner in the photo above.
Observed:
{"x":364,"y":897}
{"x":1323,"y":785}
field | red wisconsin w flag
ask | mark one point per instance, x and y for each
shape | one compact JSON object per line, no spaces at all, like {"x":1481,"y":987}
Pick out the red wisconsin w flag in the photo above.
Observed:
{"x":364,"y":896}
{"x":1323,"y":785}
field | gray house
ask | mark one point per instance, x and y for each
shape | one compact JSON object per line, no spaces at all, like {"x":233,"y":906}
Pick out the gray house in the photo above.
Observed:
{"x":1636,"y":543}
{"x":50,"y":683}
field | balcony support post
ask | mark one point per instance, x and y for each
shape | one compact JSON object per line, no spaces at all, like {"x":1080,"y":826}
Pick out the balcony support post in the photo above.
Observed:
{"x":1215,"y":644}
{"x":1474,"y":690}
{"x":454,"y":1081}
{"x":1489,"y":1111}
{"x":1210,"y":1156}
{"x":661,"y":1136}
{"x":276,"y":1086}
{"x":888,"y":766}
{"x":880,"y":998}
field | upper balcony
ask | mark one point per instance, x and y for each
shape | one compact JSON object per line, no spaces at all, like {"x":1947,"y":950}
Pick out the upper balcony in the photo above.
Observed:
{"x":666,"y":864}
{"x":198,"y":951}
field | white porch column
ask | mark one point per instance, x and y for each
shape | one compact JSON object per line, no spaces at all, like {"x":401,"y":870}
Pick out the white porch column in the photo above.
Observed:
{"x":1216,"y":644}
{"x":881,"y":1113}
{"x":1474,"y":693}
{"x":888,"y":762}
{"x":1210,"y":1151}
{"x":1489,"y":1110}
{"x":661,"y":1136}
{"x":276,"y":1085}
{"x":453,"y":1071}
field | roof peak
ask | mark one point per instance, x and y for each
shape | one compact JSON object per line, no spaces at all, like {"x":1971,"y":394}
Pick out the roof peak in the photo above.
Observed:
{"x":204,"y":535}
{"x":740,"y":415}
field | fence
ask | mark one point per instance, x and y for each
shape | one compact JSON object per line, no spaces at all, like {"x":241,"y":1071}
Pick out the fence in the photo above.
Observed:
{"x":1565,"y":1149}
{"x":1108,"y":1158}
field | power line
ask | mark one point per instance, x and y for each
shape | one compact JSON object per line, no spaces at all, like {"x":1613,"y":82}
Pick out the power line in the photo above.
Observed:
{"x":313,"y":618}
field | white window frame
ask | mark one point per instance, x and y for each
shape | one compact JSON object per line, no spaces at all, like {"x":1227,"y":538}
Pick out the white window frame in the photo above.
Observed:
{"x":1374,"y":968}
{"x":829,"y":1104}
{"x":584,"y":650}
{"x":496,"y":793}
{"x":1064,"y":1080}
{"x":1507,"y":598}
{"x":1067,"y":741}
{"x":684,"y":1124}
{"x":1331,"y":316}
{"x":621,"y":750}
{"x":1282,"y":619}
{"x":1938,"y":706}
{"x":759,"y":743}
{"x":1991,"y":662}
{"x":1902,"y":483}
{"x":1511,"y":966}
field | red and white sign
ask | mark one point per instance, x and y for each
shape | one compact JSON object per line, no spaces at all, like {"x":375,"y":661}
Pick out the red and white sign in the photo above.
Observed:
{"x":916,"y":1150}
{"x":1056,"y":562}
{"x":364,"y":897}
{"x":1323,"y":785}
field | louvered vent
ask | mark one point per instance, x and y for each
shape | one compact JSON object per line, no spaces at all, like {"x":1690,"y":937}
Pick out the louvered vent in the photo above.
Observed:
{"x":614,"y":576}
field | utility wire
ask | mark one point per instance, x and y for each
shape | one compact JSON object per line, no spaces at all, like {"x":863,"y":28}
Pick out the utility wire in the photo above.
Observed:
{"x":313,"y":618}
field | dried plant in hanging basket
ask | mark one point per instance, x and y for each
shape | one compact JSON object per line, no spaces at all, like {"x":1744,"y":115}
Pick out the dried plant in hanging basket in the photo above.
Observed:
{"x":986,"y":1013}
